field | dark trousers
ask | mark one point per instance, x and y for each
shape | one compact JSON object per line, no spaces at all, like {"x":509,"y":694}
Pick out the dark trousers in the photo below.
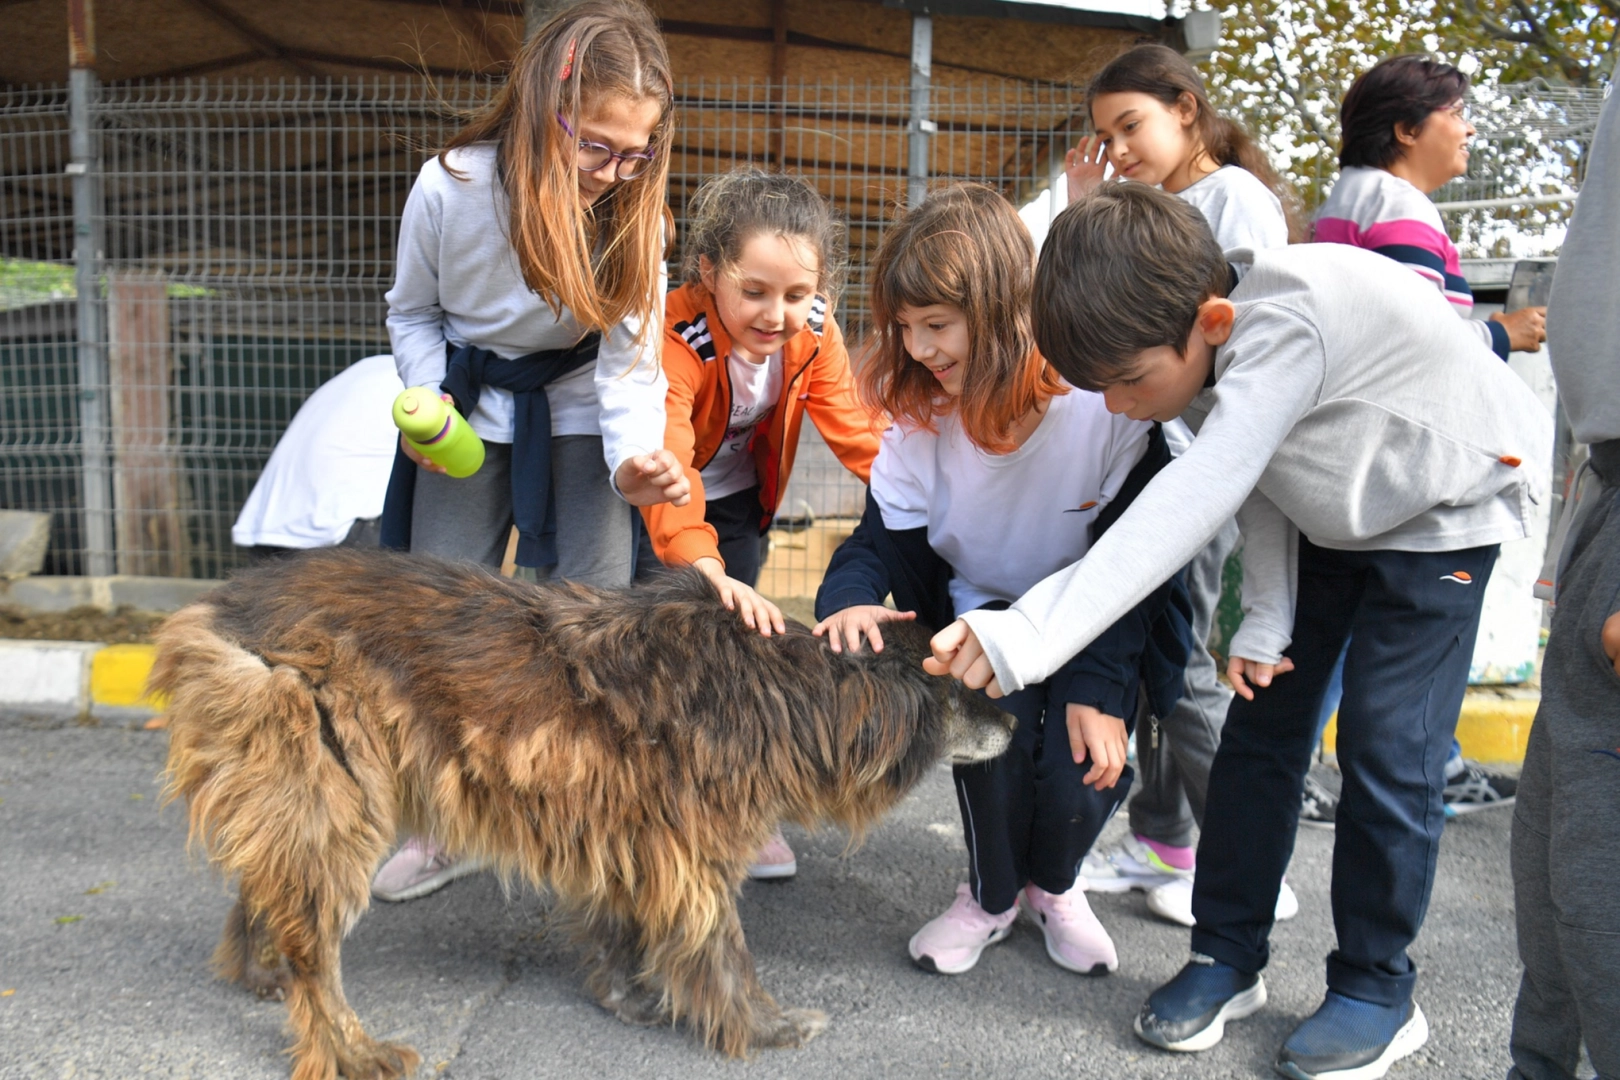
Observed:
{"x":736,"y":518}
{"x":1026,"y":816}
{"x":1411,"y":619}
{"x":1566,"y":823}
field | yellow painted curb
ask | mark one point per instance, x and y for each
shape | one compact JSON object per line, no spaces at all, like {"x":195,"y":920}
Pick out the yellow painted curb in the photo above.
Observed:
{"x":1490,"y":729}
{"x":118,"y":675}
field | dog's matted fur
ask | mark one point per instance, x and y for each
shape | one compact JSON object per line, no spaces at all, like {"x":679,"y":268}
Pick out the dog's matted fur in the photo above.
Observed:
{"x":629,"y":750}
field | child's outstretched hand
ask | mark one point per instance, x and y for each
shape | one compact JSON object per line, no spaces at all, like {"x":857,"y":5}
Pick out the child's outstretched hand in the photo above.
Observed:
{"x":757,"y":612}
{"x":846,"y":627}
{"x":649,"y":479}
{"x":957,"y":653}
{"x":1093,"y":731}
{"x":1085,"y":165}
{"x":1240,"y":671}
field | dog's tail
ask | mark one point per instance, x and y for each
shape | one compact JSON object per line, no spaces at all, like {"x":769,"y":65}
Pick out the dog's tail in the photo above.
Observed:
{"x":272,"y":790}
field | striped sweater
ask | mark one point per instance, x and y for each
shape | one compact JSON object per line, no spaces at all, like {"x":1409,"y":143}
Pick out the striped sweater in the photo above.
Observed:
{"x":1377,"y":210}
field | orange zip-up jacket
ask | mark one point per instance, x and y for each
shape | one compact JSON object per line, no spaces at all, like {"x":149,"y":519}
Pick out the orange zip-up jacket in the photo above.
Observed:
{"x":815,"y":379}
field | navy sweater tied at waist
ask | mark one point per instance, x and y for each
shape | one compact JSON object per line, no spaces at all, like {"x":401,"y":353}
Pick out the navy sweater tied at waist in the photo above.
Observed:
{"x":533,"y":502}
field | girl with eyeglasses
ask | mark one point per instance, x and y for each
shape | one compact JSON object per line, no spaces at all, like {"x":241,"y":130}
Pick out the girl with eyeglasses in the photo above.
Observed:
{"x":529,"y":289}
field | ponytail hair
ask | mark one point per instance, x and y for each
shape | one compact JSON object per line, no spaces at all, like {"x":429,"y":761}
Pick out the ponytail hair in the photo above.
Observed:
{"x":1165,"y":75}
{"x":600,"y":262}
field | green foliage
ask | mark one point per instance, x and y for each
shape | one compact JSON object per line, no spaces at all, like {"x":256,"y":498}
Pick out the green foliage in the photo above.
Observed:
{"x":1283,"y":65}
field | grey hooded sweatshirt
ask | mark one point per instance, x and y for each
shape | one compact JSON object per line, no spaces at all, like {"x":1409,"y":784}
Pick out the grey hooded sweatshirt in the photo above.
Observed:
{"x":1349,"y":405}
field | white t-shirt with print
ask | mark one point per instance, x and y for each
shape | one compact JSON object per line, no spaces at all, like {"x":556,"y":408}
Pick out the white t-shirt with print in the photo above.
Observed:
{"x":1005,"y":521}
{"x":754,"y":390}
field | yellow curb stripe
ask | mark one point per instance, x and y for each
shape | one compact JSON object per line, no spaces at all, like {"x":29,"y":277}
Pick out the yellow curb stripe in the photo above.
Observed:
{"x":118,"y":675}
{"x":1492,"y":730}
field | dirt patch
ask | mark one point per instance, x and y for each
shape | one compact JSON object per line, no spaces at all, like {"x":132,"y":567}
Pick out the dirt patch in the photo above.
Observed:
{"x":123,"y":626}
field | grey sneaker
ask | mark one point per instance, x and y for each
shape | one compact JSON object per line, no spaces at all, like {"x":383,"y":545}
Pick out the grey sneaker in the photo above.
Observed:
{"x":1320,"y":805}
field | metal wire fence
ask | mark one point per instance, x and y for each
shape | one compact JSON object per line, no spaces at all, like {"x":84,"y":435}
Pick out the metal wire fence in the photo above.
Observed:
{"x":244,"y":237}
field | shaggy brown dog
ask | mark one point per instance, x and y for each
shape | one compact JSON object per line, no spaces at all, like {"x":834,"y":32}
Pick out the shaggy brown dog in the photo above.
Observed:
{"x":629,"y":750}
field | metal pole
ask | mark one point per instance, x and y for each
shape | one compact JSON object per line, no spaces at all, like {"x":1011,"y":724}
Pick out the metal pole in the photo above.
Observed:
{"x":87,"y":250}
{"x":922,"y":73}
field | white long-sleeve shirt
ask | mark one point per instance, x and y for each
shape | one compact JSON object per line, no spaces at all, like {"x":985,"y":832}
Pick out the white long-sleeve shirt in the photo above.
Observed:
{"x":458,"y":279}
{"x":1348,"y":407}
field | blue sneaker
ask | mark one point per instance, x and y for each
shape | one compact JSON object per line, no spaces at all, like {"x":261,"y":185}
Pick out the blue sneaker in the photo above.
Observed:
{"x":1191,"y":1010}
{"x":1347,"y":1039}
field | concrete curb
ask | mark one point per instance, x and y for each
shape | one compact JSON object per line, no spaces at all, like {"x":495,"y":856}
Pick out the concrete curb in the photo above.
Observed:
{"x":76,"y":680}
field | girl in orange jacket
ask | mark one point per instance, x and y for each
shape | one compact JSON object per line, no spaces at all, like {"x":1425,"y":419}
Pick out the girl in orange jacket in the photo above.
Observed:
{"x":750,"y":347}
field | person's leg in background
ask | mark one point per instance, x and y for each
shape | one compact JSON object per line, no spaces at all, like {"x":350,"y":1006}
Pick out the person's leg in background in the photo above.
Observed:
{"x":1566,"y":826}
{"x":1173,"y":753}
{"x":594,"y":538}
{"x":466,"y":520}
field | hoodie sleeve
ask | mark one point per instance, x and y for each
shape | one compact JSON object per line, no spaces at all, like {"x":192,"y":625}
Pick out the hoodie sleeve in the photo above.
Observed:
{"x":415,"y":319}
{"x":849,"y":428}
{"x":630,"y":384}
{"x":1273,"y":370}
{"x":1270,"y":580}
{"x":679,"y":534}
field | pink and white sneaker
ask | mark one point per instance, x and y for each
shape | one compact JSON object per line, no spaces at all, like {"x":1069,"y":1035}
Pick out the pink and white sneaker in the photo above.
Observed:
{"x":1074,"y":938}
{"x":775,"y":861}
{"x":416,"y":869}
{"x":951,"y":943}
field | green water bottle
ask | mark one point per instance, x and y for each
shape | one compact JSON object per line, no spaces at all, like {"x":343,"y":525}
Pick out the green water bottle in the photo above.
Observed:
{"x":438,"y":432}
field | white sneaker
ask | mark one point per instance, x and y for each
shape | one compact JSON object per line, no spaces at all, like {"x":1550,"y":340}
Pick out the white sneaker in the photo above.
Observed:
{"x":418,"y":868}
{"x":775,"y":861}
{"x":1172,"y":901}
{"x":1130,"y":864}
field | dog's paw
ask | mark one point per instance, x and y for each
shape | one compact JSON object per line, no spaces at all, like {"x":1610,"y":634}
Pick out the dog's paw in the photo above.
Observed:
{"x":269,"y":983}
{"x":634,"y":1004}
{"x":379,"y":1061}
{"x":792,"y":1028}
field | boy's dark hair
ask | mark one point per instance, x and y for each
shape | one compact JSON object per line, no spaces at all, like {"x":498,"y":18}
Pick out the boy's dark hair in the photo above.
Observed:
{"x":1400,"y":90}
{"x":1122,"y":270}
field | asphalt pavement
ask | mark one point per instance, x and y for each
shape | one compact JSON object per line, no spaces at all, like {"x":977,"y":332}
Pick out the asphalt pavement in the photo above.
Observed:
{"x":106,"y":927}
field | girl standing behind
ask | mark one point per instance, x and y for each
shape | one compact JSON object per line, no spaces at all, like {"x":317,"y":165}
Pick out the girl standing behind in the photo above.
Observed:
{"x":1155,"y":125}
{"x":995,"y":473}
{"x":750,"y":347}
{"x":529,"y":288}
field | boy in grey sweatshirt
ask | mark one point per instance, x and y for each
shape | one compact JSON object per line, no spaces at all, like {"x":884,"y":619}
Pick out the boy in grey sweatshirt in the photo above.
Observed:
{"x":1566,"y":824}
{"x":1376,"y":453}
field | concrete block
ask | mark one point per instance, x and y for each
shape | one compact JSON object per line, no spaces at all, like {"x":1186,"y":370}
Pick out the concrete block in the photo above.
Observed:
{"x":48,"y":594}
{"x":152,"y":593}
{"x":47,"y":678}
{"x":24,"y":536}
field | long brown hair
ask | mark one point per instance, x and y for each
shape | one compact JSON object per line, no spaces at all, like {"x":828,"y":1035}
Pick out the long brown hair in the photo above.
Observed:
{"x":966,"y":247}
{"x":601,"y":262}
{"x":1164,"y":75}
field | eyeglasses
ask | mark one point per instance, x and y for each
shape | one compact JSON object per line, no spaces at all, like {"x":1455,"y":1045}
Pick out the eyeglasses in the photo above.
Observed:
{"x":1459,"y":110}
{"x":595,"y":156}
